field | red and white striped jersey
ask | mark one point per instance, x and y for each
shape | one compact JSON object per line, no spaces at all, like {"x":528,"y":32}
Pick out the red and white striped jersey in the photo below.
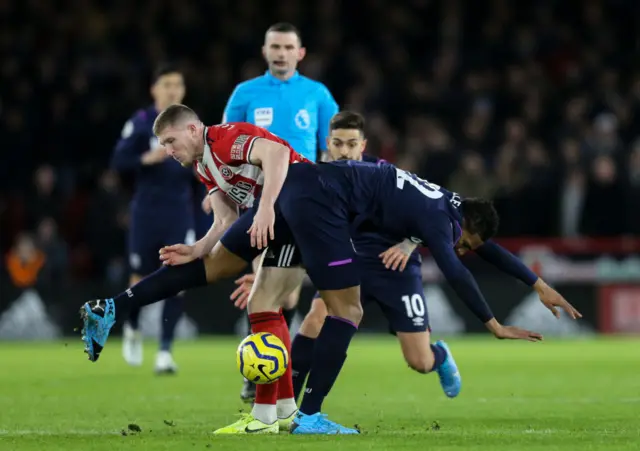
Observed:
{"x":226,"y":162}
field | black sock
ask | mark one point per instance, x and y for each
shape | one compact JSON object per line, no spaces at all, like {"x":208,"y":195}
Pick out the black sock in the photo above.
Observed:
{"x":134,"y":317}
{"x":289,"y":315}
{"x":301,"y":358}
{"x":171,"y":313}
{"x":166,"y":282}
{"x":439,"y":354}
{"x":329,"y":354}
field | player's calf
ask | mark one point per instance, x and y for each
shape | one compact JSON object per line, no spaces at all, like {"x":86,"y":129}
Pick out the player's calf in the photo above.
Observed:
{"x":304,"y":342}
{"x":330,"y":350}
{"x":418,"y":352}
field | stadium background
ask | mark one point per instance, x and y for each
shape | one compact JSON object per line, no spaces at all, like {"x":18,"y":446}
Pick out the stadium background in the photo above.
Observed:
{"x":536,"y":106}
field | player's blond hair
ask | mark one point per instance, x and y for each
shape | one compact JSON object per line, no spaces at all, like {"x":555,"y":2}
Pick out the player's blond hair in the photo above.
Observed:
{"x":171,"y":116}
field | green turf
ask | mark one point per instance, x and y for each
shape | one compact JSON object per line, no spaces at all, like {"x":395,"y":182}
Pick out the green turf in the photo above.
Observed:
{"x":564,"y":395}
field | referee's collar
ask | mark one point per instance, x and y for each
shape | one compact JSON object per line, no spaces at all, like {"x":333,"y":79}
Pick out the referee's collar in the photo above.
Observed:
{"x":277,"y":81}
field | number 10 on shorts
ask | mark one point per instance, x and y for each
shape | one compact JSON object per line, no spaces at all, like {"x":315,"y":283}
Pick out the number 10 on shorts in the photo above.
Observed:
{"x":414,"y":305}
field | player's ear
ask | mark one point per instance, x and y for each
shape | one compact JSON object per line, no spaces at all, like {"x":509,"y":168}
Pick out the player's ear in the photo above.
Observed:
{"x":328,"y":141}
{"x":364,"y":145}
{"x":264,"y":52}
{"x":302,"y":53}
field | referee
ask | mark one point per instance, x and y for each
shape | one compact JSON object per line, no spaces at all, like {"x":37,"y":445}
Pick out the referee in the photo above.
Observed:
{"x":289,"y":105}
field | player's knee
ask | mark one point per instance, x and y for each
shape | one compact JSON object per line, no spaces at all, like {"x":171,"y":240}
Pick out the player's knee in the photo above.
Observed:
{"x":221,"y":263}
{"x":312,"y":324}
{"x":344,"y":303}
{"x":352,"y":311}
{"x":422,"y":362}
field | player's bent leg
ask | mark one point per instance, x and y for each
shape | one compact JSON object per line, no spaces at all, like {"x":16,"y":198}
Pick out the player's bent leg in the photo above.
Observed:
{"x":314,"y":320}
{"x":424,"y":357}
{"x":417,"y":351}
{"x":303,"y":344}
{"x":328,"y":358}
{"x":99,"y":316}
{"x":272,"y":285}
{"x":132,"y":350}
{"x":248,"y":391}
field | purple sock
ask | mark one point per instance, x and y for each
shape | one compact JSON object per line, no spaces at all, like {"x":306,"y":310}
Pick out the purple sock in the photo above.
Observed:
{"x":329,"y":354}
{"x":166,"y":282}
{"x":439,"y":354}
{"x":301,"y":358}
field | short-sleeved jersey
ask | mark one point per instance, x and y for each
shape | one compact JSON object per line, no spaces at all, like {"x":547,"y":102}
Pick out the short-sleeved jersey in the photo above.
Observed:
{"x":298,"y":109}
{"x":226,"y":162}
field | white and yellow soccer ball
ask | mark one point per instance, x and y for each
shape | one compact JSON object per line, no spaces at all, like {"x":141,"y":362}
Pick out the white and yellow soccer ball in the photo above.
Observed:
{"x":262,"y":358}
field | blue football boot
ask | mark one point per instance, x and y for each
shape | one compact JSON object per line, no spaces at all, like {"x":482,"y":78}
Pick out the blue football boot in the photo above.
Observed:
{"x":450,"y":378}
{"x":318,"y":424}
{"x":98,"y":317}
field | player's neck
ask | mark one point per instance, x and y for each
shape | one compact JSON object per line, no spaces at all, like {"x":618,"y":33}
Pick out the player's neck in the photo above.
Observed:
{"x":283,"y":77}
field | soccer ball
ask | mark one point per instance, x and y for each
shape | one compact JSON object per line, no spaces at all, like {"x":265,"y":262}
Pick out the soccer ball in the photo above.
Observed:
{"x":262,"y":358}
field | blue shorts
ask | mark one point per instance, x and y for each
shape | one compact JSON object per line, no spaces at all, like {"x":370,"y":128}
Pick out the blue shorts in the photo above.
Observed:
{"x":148,"y":233}
{"x":317,"y":221}
{"x":400,"y":296}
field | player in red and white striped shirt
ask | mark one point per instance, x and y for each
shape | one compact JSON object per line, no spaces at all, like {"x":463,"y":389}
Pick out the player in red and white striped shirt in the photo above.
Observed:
{"x":238,"y":162}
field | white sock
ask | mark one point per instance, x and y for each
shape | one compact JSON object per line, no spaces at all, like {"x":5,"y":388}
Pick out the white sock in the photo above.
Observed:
{"x":286,"y":407}
{"x":265,"y":413}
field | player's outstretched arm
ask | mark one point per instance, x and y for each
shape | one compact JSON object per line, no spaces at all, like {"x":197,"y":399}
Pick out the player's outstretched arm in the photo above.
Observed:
{"x":438,"y":239}
{"x":224,"y":214}
{"x":508,"y":263}
{"x":273,"y":158}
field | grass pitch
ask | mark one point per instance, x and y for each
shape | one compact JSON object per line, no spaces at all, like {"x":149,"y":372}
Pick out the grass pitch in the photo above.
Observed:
{"x":564,"y":395}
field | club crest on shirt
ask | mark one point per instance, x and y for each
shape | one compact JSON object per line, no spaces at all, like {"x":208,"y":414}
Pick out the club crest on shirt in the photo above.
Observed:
{"x":237,"y":147}
{"x":263,"y":117}
{"x":225,"y":172}
{"x":302,"y":119}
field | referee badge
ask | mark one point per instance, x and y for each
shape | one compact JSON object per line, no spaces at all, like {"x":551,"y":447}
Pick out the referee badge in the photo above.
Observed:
{"x":303,"y":120}
{"x":263,"y":117}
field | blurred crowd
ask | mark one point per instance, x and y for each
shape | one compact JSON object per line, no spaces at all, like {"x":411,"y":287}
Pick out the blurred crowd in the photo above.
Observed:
{"x":535,"y":104}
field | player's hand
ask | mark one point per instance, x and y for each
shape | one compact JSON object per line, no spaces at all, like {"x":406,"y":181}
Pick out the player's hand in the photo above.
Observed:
{"x":154,"y":156}
{"x":261,"y":230}
{"x":515,"y":333}
{"x":511,"y":332}
{"x":241,"y":294}
{"x":177,"y":254}
{"x":552,"y":299}
{"x":397,"y":257}
{"x":206,"y":205}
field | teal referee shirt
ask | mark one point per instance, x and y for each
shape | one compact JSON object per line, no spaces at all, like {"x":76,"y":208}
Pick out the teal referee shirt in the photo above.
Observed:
{"x":297,"y":110}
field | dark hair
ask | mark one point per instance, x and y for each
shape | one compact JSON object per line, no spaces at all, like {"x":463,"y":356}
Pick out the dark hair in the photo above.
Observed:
{"x":165,"y":69}
{"x":170,"y":116}
{"x":480,"y":217}
{"x":347,"y":120}
{"x":285,"y":27}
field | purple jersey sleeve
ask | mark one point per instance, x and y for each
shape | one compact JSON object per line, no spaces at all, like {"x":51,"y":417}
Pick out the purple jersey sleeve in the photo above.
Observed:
{"x":438,"y":235}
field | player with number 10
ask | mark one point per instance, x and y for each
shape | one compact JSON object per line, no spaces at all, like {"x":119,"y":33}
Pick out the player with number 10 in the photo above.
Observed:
{"x":390,"y":274}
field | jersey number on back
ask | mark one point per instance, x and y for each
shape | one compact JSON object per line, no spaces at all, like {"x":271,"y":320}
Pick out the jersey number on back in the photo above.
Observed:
{"x":431,"y":190}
